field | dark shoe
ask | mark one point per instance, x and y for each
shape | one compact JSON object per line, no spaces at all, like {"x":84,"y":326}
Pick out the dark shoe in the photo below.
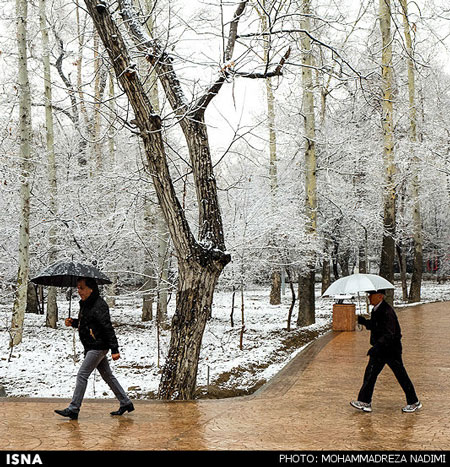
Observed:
{"x":67,"y":413}
{"x":125,"y":408}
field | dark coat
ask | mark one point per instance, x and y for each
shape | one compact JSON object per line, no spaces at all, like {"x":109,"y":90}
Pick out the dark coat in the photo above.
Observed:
{"x":385,"y":333}
{"x":94,"y":325}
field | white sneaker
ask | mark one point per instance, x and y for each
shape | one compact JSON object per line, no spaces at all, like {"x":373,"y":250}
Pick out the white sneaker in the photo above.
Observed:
{"x":412,"y":407}
{"x":364,"y":406}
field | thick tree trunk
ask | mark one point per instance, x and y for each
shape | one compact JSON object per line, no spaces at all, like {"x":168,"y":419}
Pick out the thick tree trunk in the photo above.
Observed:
{"x":194,"y":299}
{"x":52,"y":307}
{"x":388,"y":245}
{"x":306,"y":299}
{"x":275,"y":291}
{"x":416,"y":279}
{"x":307,"y":277}
{"x":20,"y":302}
{"x":32,"y":299}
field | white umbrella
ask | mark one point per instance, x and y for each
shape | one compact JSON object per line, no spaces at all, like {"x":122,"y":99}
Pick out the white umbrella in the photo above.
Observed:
{"x":357,"y":283}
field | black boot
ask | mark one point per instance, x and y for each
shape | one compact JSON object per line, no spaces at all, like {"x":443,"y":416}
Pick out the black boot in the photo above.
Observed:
{"x":67,"y":413}
{"x":126,"y":408}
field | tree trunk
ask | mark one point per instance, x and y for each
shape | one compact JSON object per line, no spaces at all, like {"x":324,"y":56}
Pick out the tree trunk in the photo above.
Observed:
{"x":388,"y":245}
{"x":163,"y":267}
{"x":99,"y":87}
{"x":52,"y":307}
{"x":362,"y":256}
{"x":151,"y":215}
{"x":307,"y":277}
{"x":362,"y":264}
{"x":193,"y":307}
{"x":344,"y":261}
{"x":241,"y":334}
{"x":82,"y":156}
{"x":416,"y":279}
{"x":275,"y":292}
{"x":147,"y":306}
{"x":291,"y":308}
{"x":32,"y":299}
{"x":25,"y":133}
{"x":306,"y":299}
{"x":402,"y":264}
{"x":149,"y":268}
{"x":326,"y":275}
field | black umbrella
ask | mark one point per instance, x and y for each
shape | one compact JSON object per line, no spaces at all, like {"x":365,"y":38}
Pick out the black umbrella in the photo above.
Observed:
{"x":66,"y":274}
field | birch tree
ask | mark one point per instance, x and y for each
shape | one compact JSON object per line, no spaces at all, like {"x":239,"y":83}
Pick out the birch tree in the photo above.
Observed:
{"x":416,"y":279}
{"x":306,"y":315}
{"x":52,"y":310}
{"x":264,"y":13}
{"x":387,"y":82}
{"x":25,"y":135}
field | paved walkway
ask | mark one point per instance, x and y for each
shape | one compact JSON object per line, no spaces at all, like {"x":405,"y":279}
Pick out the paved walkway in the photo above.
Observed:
{"x":305,"y":407}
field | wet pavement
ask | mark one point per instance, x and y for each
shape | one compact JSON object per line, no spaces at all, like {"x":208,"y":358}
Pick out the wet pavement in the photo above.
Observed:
{"x":305,"y":407}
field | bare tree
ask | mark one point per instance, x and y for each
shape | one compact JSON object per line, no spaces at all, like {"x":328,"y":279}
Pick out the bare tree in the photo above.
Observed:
{"x":416,"y":279}
{"x":388,"y":246}
{"x":202,"y":259}
{"x":306,"y":310}
{"x":52,"y":309}
{"x":264,"y":13}
{"x":25,"y":154}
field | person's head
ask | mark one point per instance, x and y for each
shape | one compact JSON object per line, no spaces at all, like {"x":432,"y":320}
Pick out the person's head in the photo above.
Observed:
{"x":376,"y":296}
{"x":85,"y":287}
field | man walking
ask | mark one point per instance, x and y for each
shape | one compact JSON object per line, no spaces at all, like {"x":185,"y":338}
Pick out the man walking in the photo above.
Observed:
{"x":97,"y":336}
{"x":385,"y":338}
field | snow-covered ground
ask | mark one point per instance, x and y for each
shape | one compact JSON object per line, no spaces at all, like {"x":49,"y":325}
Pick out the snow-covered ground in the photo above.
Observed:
{"x":43,"y":364}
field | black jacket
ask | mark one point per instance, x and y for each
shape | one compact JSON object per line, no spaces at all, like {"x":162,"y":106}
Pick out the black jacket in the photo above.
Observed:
{"x":94,"y":325}
{"x":385,"y":333}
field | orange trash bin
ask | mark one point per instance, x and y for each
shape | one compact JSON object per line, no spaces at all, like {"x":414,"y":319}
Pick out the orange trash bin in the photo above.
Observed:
{"x":344,"y":317}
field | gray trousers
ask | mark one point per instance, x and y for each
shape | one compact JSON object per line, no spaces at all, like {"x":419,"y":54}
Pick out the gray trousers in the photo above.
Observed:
{"x":96,"y":359}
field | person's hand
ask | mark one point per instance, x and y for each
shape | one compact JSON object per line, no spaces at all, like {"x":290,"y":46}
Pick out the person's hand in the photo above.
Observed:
{"x":68,"y":321}
{"x":115,"y":356}
{"x":373,"y":352}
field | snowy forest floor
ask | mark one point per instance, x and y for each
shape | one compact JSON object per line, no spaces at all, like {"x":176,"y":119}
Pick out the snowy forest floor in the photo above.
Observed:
{"x":43,"y":365}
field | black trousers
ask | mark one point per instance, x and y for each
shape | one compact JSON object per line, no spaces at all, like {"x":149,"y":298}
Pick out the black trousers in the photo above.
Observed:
{"x":373,"y":369}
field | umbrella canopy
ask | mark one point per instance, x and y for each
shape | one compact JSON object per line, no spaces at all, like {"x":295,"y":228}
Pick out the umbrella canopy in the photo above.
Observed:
{"x":65,"y":274}
{"x":357,"y":283}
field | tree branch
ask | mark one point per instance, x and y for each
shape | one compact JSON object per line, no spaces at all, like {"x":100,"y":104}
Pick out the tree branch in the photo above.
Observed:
{"x":203,"y":102}
{"x":269,"y":74}
{"x":149,"y":124}
{"x":313,"y":38}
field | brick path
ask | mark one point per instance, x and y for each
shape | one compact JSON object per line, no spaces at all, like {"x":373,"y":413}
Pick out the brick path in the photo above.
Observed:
{"x":305,"y":407}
